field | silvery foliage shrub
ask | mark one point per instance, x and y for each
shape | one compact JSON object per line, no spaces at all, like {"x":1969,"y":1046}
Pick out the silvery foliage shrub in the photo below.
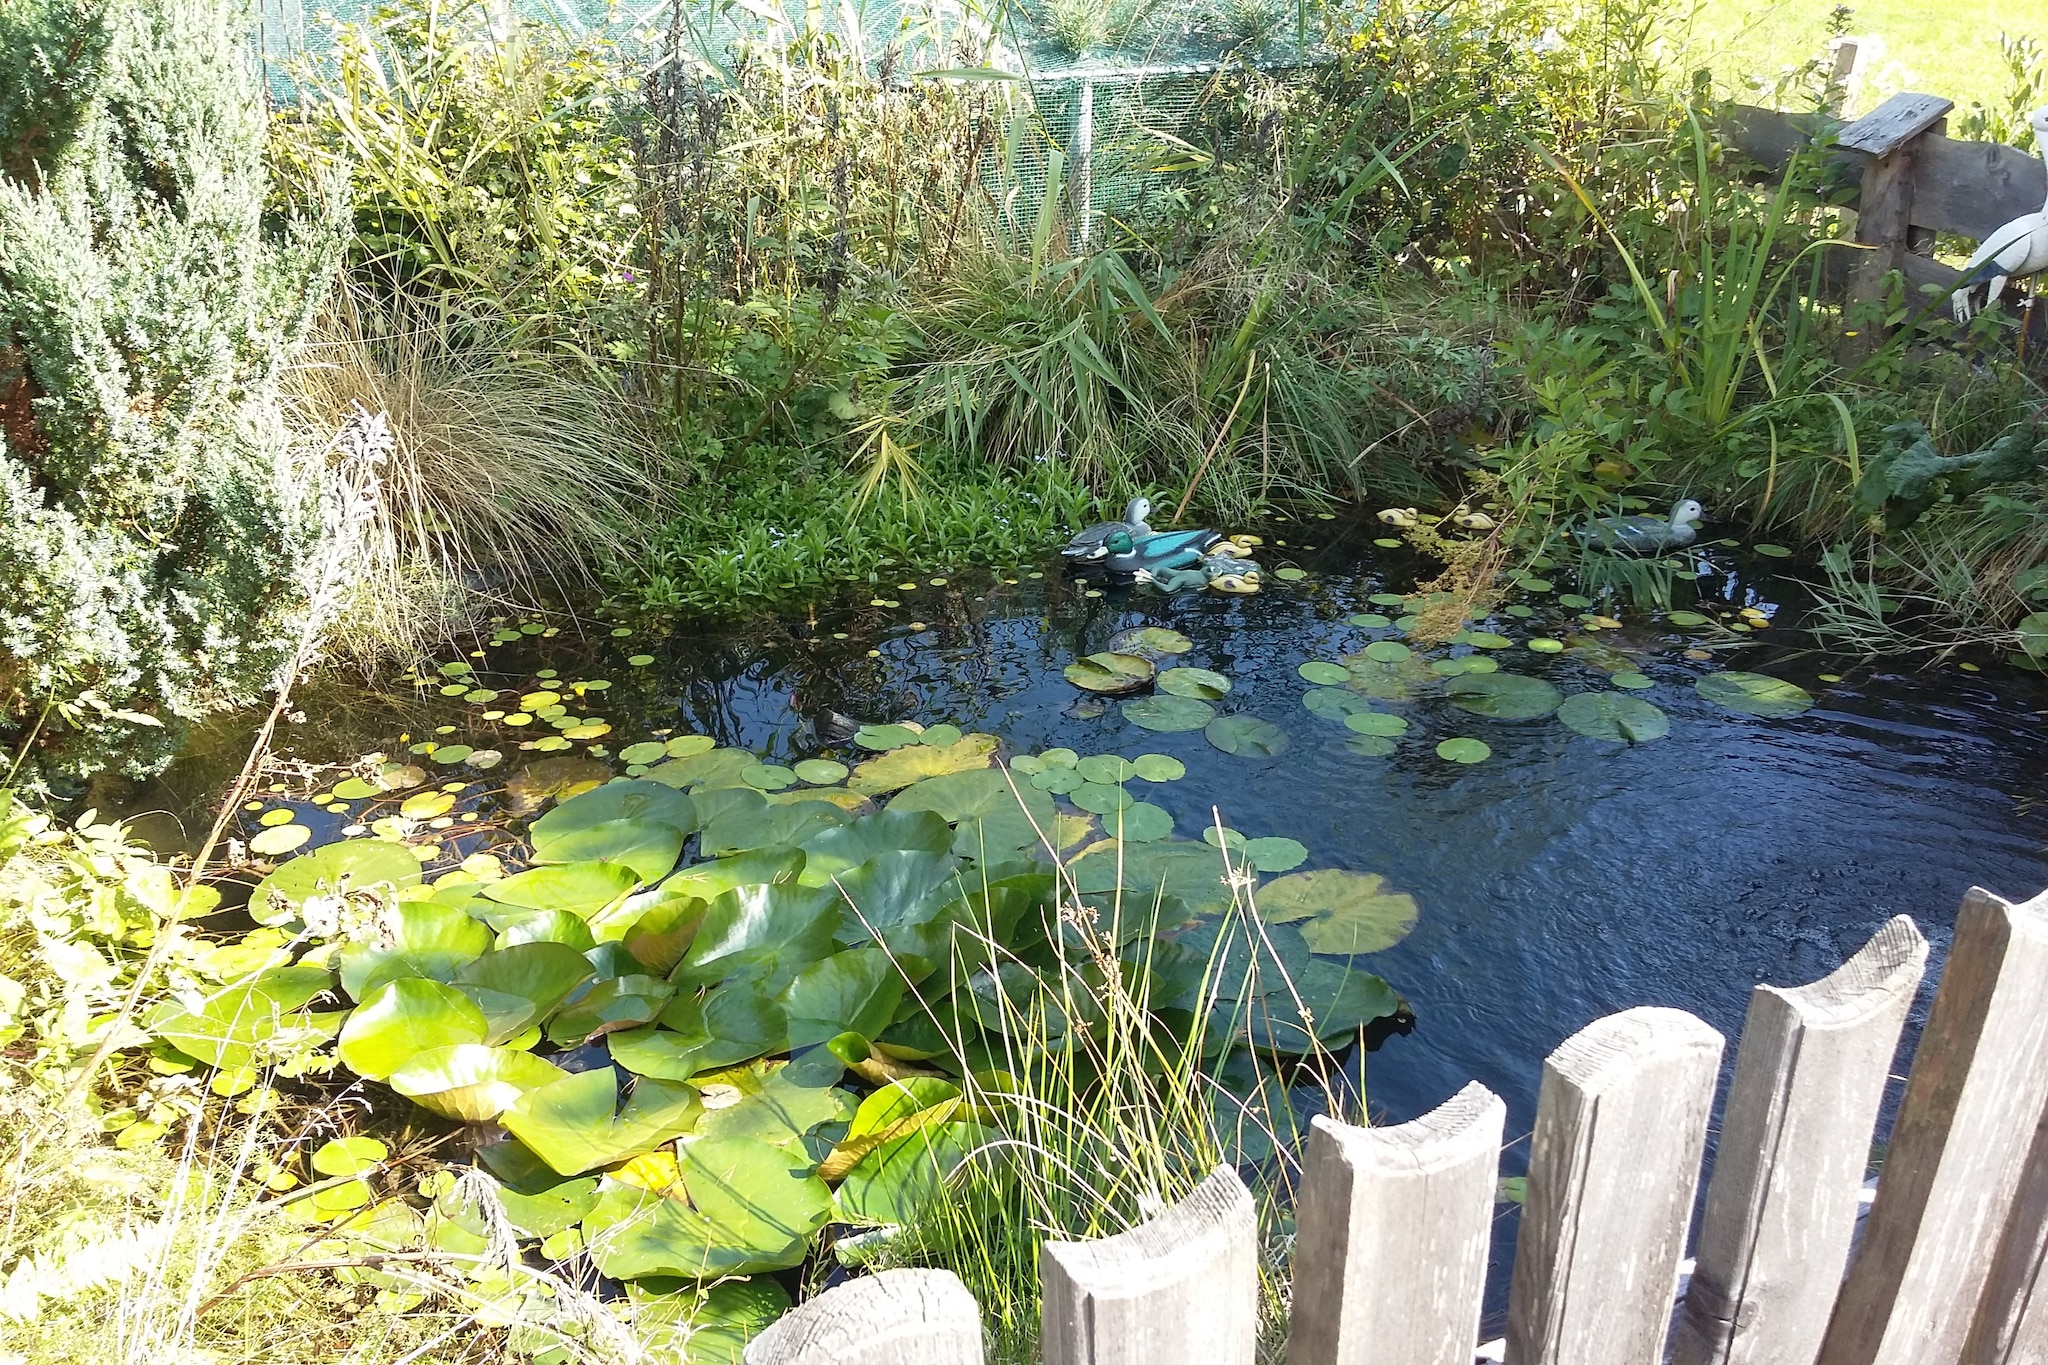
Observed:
{"x":154,"y":535}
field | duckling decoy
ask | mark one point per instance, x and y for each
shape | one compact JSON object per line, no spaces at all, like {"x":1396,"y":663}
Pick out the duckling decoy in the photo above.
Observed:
{"x":1401,"y":516}
{"x":1464,"y":516}
{"x":1091,"y":545}
{"x":1643,"y":535}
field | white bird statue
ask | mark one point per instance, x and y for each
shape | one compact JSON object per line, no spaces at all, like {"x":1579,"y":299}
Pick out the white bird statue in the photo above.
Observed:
{"x":2012,"y":252}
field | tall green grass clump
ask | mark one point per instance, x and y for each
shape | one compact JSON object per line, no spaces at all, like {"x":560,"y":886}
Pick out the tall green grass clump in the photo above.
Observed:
{"x":152,"y":525}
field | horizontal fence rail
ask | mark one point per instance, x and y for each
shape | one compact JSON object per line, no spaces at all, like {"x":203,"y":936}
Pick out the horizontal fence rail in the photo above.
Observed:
{"x":1393,"y":1223}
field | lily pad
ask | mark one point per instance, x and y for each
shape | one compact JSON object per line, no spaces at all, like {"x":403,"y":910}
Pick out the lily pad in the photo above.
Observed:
{"x":1773,"y":551}
{"x":471,"y":1082}
{"x":1168,"y":714}
{"x":1275,"y":854}
{"x":1108,"y":768}
{"x":581,"y":888}
{"x":1334,"y":703}
{"x":1615,"y":717}
{"x":1375,"y":723}
{"x":882,"y":738}
{"x":1633,"y":682}
{"x":1543,"y":644}
{"x":1199,"y":683}
{"x":1139,"y":822}
{"x":914,"y":763}
{"x":1387,"y":651}
{"x":1341,"y":913}
{"x":1324,"y":674}
{"x":279,"y":839}
{"x":820,"y":772}
{"x":989,"y":814}
{"x":401,"y":1019}
{"x":1503,"y":696}
{"x":1755,"y":694}
{"x":1110,"y":673}
{"x":1159,"y":767}
{"x":1464,"y":750}
{"x":739,"y":1207}
{"x":1685,"y":618}
{"x":1150,"y":642}
{"x":1247,"y":736}
{"x":575,"y":1124}
{"x":1371,"y":746}
{"x":1102,"y":798}
{"x":1369,"y":620}
{"x":768,"y":777}
{"x":356,"y":865}
{"x":518,"y":986}
{"x":349,"y":1156}
{"x":1183,"y":869}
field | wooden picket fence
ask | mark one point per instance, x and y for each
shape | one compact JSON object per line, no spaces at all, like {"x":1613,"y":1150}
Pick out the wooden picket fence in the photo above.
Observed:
{"x":1393,"y":1223}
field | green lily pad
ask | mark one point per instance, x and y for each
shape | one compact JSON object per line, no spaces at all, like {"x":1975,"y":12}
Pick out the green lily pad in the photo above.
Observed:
{"x":612,"y":1003}
{"x":820,"y":772}
{"x":1247,"y":736}
{"x":904,"y":1176}
{"x":1168,"y":714}
{"x":747,"y":1207}
{"x":1387,"y":652}
{"x":882,"y":738}
{"x":1290,"y":574}
{"x":1615,"y":717}
{"x":1486,"y":639}
{"x":1633,"y":682}
{"x":1140,"y":822}
{"x":1543,"y":644}
{"x":1369,"y":620}
{"x":989,"y":814}
{"x":425,"y":938}
{"x":706,"y":770}
{"x":1341,"y":913}
{"x":1110,"y":673}
{"x":1464,"y":750}
{"x":1772,"y":551}
{"x":1104,"y":768}
{"x":349,"y":1156}
{"x":581,"y":888}
{"x":1576,"y":601}
{"x":1150,"y":642}
{"x":2032,"y":631}
{"x":470,"y":1082}
{"x":1187,"y":871}
{"x":646,"y":848}
{"x":1324,"y":674}
{"x":1375,"y":723}
{"x":230,"y":1027}
{"x":336,"y":870}
{"x":1371,"y":746}
{"x":575,"y":1124}
{"x":856,"y":991}
{"x":647,"y":751}
{"x":1334,"y":703}
{"x":1387,"y":599}
{"x":1503,"y":696}
{"x":1275,"y":854}
{"x":1199,"y":683}
{"x":401,"y":1019}
{"x":1159,"y":767}
{"x":1101,"y":798}
{"x":768,"y":777}
{"x":1755,"y":694}
{"x":516,"y":987}
{"x":701,"y":1325}
{"x":1685,"y":618}
{"x":917,"y":820}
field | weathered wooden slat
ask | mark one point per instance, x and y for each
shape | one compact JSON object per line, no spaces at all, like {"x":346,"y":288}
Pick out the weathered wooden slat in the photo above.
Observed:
{"x":1182,"y":1287}
{"x":1788,"y":1172}
{"x":1894,"y":123}
{"x":1621,"y":1120}
{"x":1977,"y":1090}
{"x":1971,"y":188}
{"x":899,"y":1317}
{"x":1391,"y":1236}
{"x":2012,"y":1318}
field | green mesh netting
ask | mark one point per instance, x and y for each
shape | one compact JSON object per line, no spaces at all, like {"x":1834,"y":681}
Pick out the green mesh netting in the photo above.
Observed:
{"x":1106,"y":77}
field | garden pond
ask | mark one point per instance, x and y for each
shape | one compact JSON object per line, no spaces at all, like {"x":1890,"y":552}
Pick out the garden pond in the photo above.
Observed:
{"x":1461,"y":853}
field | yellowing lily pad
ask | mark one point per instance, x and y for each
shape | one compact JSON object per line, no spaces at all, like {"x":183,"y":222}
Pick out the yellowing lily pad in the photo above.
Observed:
{"x":279,"y":839}
{"x":1755,"y":694}
{"x":1110,"y":673}
{"x":914,"y":762}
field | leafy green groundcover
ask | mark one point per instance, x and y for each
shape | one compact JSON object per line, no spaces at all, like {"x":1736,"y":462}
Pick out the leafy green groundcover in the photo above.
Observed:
{"x":714,"y":1019}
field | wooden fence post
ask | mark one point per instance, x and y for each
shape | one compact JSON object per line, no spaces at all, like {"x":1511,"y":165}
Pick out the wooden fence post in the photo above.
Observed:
{"x":1391,"y":1236}
{"x":1621,"y":1121}
{"x":1889,"y":135}
{"x":899,"y":1317}
{"x":1795,"y":1139}
{"x":1965,"y":1129}
{"x":1180,"y":1288}
{"x":2012,"y":1318}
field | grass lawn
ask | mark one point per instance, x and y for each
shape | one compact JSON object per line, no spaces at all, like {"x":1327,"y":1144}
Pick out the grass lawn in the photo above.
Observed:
{"x":1940,"y":49}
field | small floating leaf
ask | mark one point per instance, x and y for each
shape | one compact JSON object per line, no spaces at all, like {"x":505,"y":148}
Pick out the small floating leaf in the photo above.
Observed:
{"x":1503,"y":696}
{"x":1275,"y":854}
{"x":1774,"y":551}
{"x":1150,"y":642}
{"x":1387,"y":651}
{"x":768,"y":777}
{"x":1245,"y":735}
{"x":1139,"y":822}
{"x":1324,"y":674}
{"x":640,"y":660}
{"x":1375,"y":723}
{"x":1634,"y":682}
{"x":941,"y":735}
{"x":915,"y":762}
{"x":1334,"y":703}
{"x":1105,"y":768}
{"x":1486,"y":639}
{"x":1464,"y":750}
{"x":1159,"y":767}
{"x":647,"y":751}
{"x":1543,"y":644}
{"x":279,"y":839}
{"x":1166,"y":713}
{"x":1290,"y":574}
{"x":689,"y":746}
{"x":1110,"y":673}
{"x":1686,"y":618}
{"x":1387,"y":599}
{"x":1372,"y":746}
{"x":1199,"y":683}
{"x":1615,"y":717}
{"x":1574,"y":600}
{"x":1755,"y":694}
{"x":820,"y":772}
{"x":349,"y":1156}
{"x":1100,"y":797}
{"x":882,"y":738}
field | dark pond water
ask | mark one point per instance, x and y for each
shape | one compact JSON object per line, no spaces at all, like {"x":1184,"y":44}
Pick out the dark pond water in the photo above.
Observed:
{"x":1562,"y":879}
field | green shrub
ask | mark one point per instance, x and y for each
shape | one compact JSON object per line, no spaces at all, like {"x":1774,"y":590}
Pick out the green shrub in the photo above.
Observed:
{"x":152,"y":530}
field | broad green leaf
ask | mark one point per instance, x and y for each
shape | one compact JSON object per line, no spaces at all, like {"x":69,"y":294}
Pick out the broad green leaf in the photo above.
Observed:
{"x":856,"y":991}
{"x":1151,"y":642}
{"x":355,"y":865}
{"x":707,"y":770}
{"x":1464,"y":749}
{"x":910,"y":824}
{"x":401,"y":1019}
{"x":575,"y":1124}
{"x":759,"y":867}
{"x":1503,"y":696}
{"x":1247,"y":736}
{"x":229,"y":1027}
{"x":1323,"y":674}
{"x":991,"y":815}
{"x":584,"y":889}
{"x":646,"y":848}
{"x":432,"y":939}
{"x":1168,"y":714}
{"x":1110,"y":673}
{"x":898,"y":897}
{"x":1334,"y":703}
{"x":469,"y":1081}
{"x":618,"y":1002}
{"x":1755,"y":694}
{"x":700,"y":1325}
{"x":914,"y":763}
{"x":753,"y":1206}
{"x":1275,"y":854}
{"x":1615,"y":717}
{"x":349,"y":1156}
{"x":1189,"y":872}
{"x":643,"y":801}
{"x":1200,"y":684}
{"x":762,"y":927}
{"x":901,"y":1179}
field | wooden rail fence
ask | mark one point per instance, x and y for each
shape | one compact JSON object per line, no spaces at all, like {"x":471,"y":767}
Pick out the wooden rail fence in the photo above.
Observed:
{"x":1906,"y":180}
{"x":1389,"y":1261}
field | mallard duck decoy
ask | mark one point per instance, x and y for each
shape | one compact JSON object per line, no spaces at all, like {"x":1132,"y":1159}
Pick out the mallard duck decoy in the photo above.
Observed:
{"x":1643,"y":535}
{"x":1464,"y":516}
{"x":1124,"y":553}
{"x":1401,"y":516}
{"x":1092,"y":543}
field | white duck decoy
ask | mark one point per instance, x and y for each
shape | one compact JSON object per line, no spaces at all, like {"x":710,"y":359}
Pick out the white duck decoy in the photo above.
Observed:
{"x":2013,"y":252}
{"x":1644,"y":535}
